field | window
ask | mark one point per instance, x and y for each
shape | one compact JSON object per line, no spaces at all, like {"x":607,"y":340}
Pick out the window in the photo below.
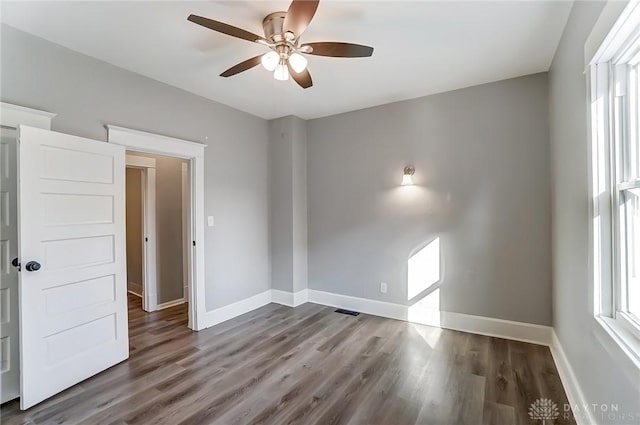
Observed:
{"x":626,"y":205}
{"x":615,"y":183}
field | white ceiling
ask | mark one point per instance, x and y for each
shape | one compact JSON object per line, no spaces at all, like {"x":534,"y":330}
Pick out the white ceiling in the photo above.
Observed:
{"x":421,"y":48}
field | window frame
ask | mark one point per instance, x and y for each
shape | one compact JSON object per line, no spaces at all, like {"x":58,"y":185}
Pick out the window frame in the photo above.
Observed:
{"x":625,"y":123}
{"x":612,"y":116}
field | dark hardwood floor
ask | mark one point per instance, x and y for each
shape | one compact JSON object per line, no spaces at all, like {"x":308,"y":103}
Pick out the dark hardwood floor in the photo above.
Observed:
{"x":306,"y":365}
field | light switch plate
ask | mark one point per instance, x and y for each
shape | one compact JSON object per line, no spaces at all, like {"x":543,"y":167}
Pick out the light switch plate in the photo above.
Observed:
{"x":210,"y":221}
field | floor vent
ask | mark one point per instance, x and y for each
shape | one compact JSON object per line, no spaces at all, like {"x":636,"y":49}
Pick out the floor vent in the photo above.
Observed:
{"x":349,"y":312}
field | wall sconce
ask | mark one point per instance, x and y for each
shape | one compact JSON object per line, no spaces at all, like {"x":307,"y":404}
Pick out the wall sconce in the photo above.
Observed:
{"x":407,"y":179}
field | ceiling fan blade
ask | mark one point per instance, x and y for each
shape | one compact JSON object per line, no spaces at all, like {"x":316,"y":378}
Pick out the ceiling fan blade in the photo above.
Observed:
{"x":299,"y":16}
{"x":225,"y":28}
{"x":338,"y":50}
{"x":242,"y":66}
{"x":303,"y":78}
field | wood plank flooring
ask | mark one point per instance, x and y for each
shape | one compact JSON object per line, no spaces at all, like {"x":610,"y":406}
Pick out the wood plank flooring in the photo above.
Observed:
{"x":306,"y":365}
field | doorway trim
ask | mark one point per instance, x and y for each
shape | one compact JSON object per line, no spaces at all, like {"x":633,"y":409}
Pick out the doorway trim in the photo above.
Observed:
{"x":186,"y":196}
{"x":13,"y":115}
{"x":149,"y":244}
{"x":141,"y":141}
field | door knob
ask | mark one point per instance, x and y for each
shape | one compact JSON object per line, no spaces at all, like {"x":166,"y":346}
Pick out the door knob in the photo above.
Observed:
{"x":15,"y":263}
{"x":32,"y":266}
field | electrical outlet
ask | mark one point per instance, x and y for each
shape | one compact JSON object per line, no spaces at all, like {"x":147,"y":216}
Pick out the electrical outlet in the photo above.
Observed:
{"x":383,"y":287}
{"x":210,"y":221}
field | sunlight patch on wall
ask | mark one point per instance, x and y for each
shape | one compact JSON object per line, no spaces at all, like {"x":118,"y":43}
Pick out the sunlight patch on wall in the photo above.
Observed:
{"x":423,"y":269}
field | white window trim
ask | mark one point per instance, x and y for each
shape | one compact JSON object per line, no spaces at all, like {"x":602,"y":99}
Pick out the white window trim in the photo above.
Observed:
{"x":604,"y":233}
{"x":141,"y":141}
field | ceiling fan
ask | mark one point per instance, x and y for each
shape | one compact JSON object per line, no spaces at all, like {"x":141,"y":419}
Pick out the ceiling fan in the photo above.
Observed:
{"x":282,"y":31}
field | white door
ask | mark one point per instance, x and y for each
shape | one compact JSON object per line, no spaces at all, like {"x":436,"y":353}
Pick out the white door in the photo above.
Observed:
{"x":71,"y":221}
{"x":9,"y":348}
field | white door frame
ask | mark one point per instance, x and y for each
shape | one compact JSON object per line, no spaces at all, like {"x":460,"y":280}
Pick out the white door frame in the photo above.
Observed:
{"x":186,"y":242}
{"x":141,"y":141}
{"x":149,"y":251}
{"x":11,"y":116}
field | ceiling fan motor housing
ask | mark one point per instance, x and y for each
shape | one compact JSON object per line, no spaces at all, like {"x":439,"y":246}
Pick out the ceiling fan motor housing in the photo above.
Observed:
{"x":272,"y":25}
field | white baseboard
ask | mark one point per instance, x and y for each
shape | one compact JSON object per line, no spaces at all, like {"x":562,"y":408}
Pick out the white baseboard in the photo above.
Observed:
{"x":363,"y":305}
{"x":134,"y":293}
{"x":282,"y":297}
{"x":518,"y":331}
{"x":170,"y":304}
{"x":489,"y":326}
{"x":290,"y":299}
{"x":222,"y":314}
{"x":570,"y":382}
{"x":300,"y":297}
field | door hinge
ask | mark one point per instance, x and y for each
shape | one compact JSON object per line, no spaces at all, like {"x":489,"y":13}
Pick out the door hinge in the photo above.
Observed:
{"x":194,"y":243}
{"x":146,"y":239}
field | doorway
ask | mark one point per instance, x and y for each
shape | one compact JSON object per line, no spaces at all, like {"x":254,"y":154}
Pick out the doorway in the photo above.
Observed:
{"x":157,"y":212}
{"x":192,"y":154}
{"x":135,"y":233}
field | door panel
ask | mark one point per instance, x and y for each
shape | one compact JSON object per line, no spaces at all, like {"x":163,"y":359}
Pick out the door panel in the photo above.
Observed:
{"x":74,"y":309}
{"x":9,"y":346}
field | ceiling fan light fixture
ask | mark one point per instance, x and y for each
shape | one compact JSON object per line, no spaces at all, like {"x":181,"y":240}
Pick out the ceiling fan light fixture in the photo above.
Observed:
{"x":282,"y":31}
{"x":298,"y":62}
{"x":281,"y":72}
{"x":270,"y":60}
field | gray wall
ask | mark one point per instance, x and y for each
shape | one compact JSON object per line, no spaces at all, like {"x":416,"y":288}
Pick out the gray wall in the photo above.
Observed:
{"x":482,"y":171}
{"x":134,"y":230}
{"x":300,"y":210}
{"x":87,"y":93}
{"x":592,"y":362}
{"x":170,"y":242}
{"x":288,"y":181}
